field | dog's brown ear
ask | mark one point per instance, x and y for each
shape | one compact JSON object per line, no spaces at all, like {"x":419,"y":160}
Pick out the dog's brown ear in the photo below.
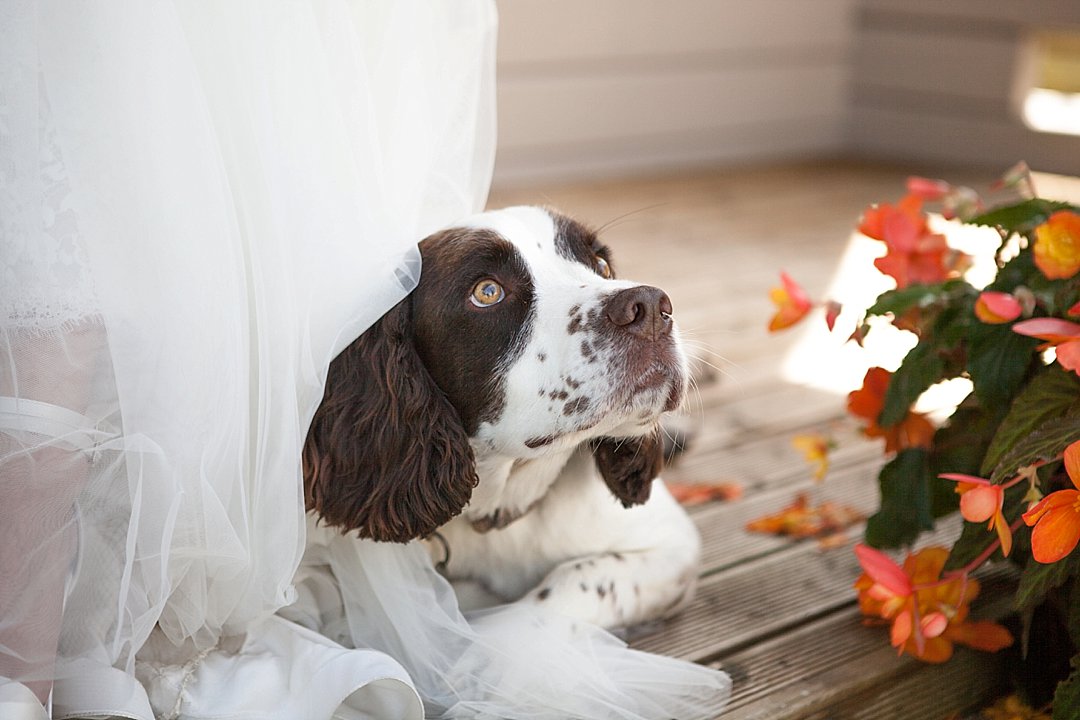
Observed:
{"x":629,"y":465}
{"x":386,"y":453}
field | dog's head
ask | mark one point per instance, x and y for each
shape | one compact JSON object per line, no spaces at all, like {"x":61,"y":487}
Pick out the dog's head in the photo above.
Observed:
{"x":518,"y":342}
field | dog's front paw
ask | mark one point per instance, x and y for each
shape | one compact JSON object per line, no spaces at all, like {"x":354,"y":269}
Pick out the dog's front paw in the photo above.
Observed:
{"x":614,"y":590}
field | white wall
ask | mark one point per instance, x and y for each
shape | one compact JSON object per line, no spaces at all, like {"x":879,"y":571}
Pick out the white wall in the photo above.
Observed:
{"x":936,"y":80}
{"x":601,"y":87}
{"x":605,"y":87}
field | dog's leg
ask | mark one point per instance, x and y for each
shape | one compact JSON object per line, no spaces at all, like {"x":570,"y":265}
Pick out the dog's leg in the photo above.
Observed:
{"x":648,"y":572}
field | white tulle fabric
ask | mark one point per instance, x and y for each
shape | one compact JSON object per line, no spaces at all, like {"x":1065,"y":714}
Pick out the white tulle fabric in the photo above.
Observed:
{"x":515,"y":661}
{"x":201,"y":203}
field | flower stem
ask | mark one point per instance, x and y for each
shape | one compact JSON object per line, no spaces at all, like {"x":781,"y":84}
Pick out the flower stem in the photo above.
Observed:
{"x":984,"y":555}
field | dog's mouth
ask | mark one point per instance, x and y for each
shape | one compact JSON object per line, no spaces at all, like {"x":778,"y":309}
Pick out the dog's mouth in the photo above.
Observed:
{"x":658,"y":383}
{"x":636,"y":401}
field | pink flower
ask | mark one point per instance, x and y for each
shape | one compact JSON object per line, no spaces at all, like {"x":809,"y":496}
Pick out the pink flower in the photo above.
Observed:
{"x":995,"y":308}
{"x":1062,"y":335}
{"x":980,"y":500}
{"x":927,"y":189}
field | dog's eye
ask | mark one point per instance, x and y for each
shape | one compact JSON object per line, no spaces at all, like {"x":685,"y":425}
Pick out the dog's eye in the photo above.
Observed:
{"x":603,"y":267}
{"x":487,"y":293}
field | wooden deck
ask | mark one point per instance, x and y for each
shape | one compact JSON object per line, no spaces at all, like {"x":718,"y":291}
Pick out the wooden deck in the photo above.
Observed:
{"x":779,"y":615}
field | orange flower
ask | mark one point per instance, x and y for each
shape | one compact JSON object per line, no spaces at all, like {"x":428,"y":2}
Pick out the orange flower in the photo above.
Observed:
{"x":815,"y":448}
{"x":1056,"y":518}
{"x":1057,"y":245}
{"x":913,"y":253}
{"x":981,"y":501}
{"x":927,"y":614}
{"x":995,"y":308}
{"x":867,"y":402}
{"x":916,"y":260}
{"x":1062,"y":335}
{"x":791,"y":302}
{"x":904,"y":218}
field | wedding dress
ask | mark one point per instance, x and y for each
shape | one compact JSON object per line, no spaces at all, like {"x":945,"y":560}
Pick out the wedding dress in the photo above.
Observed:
{"x":200,"y":205}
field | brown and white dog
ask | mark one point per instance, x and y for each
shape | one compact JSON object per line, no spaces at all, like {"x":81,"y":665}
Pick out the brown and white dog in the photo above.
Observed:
{"x":520,"y":385}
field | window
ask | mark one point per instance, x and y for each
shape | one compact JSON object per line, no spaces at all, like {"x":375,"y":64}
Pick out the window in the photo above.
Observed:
{"x":1051,"y":83}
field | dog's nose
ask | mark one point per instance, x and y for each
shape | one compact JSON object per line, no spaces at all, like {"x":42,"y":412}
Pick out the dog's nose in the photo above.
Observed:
{"x":642,"y":311}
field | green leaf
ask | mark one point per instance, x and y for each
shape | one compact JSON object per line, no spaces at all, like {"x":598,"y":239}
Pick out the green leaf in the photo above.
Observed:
{"x":933,"y":359}
{"x":1045,"y":443}
{"x":998,"y":361}
{"x":1038,"y":579}
{"x":1018,"y":271}
{"x":897,"y":302}
{"x":1054,"y":296}
{"x":1072,"y":616}
{"x":922,"y":367}
{"x":904,"y":510}
{"x":959,"y":446}
{"x":1067,"y":695}
{"x":1050,"y":394}
{"x":1021,"y":217}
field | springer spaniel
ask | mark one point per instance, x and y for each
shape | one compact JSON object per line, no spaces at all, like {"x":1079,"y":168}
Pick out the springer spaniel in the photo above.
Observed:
{"x":520,"y":385}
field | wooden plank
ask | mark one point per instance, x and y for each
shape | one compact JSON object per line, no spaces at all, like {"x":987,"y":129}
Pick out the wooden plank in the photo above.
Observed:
{"x":836,"y":668}
{"x":729,"y":418}
{"x":771,"y":463}
{"x":725,"y":543}
{"x":753,"y":601}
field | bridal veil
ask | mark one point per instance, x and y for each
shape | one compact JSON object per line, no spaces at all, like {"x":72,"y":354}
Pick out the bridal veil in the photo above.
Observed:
{"x":201,"y":203}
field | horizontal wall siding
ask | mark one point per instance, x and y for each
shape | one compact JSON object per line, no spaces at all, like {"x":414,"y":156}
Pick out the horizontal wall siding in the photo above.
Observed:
{"x":616,"y":86}
{"x":938,"y":80}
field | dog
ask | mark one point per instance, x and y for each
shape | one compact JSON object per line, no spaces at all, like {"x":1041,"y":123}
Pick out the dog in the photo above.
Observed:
{"x":508,"y":412}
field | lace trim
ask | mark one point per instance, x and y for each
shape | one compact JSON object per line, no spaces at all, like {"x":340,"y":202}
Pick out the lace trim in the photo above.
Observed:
{"x":44,"y":273}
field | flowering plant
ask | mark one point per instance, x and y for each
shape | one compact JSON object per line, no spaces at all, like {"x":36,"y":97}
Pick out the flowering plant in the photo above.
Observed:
{"x":1008,"y":457}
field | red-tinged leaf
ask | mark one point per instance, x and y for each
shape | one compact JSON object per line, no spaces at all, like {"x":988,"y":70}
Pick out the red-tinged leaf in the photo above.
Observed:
{"x":698,"y":493}
{"x":802,"y":520}
{"x":832,"y":311}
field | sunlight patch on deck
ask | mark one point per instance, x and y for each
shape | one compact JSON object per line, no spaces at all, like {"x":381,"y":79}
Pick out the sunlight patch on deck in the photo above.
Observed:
{"x":826,"y":361}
